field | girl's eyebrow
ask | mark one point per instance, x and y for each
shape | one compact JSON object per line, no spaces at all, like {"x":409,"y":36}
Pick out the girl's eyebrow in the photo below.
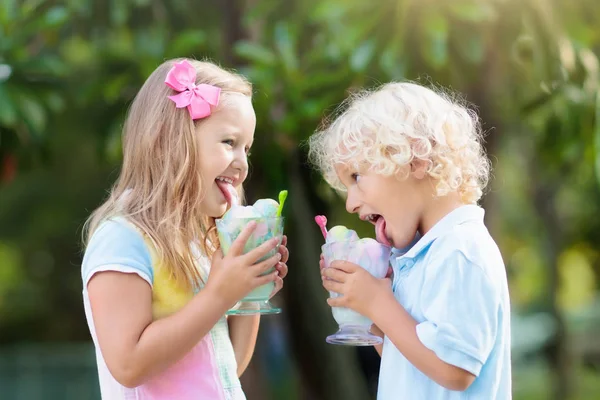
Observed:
{"x":235,"y":133}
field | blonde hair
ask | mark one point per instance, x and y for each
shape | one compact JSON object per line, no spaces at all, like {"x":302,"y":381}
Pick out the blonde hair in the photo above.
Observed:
{"x":387,"y":129}
{"x":160,"y":188}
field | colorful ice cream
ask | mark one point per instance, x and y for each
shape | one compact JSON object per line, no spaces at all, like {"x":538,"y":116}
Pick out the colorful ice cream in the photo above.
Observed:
{"x":267,"y":214}
{"x":344,"y":244}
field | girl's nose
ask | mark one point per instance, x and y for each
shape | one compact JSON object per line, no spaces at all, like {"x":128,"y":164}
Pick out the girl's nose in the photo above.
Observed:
{"x":240,"y":161}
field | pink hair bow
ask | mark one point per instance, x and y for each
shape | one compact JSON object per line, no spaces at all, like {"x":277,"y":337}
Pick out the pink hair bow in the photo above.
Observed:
{"x":197,"y":98}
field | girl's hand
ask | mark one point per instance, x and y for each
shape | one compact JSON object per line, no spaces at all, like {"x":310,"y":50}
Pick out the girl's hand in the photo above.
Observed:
{"x":281,"y":266}
{"x":359,"y":290}
{"x":234,"y":276}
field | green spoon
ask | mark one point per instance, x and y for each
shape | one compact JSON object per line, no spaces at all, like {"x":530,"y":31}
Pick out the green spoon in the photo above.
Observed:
{"x":282,"y":196}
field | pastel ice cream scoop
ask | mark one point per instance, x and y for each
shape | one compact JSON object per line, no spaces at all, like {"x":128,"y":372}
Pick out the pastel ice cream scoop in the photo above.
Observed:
{"x":266,"y":207}
{"x":262,"y":208}
{"x":242,"y":212}
{"x":340,"y":233}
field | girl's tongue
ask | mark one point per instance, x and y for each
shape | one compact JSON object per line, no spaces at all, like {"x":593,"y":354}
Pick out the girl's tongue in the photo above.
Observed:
{"x":380,"y":234}
{"x":227,"y":190}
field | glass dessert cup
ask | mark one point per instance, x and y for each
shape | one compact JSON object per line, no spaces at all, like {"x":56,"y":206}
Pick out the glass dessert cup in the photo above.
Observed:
{"x":355,"y":329}
{"x":228,"y":229}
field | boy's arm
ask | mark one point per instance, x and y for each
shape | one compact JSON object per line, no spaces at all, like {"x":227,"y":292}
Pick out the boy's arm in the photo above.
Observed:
{"x":400,"y":328}
{"x":376,"y":331}
{"x":460,"y":306}
{"x":243,"y":331}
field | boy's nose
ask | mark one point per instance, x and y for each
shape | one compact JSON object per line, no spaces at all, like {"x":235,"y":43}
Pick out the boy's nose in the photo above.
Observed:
{"x":351,"y":204}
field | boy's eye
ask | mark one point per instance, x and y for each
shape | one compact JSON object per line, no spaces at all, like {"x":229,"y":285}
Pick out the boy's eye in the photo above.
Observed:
{"x":229,"y":142}
{"x":355,"y":177}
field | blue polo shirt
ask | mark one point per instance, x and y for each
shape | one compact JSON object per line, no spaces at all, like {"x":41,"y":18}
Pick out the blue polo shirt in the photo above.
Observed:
{"x":453,"y":283}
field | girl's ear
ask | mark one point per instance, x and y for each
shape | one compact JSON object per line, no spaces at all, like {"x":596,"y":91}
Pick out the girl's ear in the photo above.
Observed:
{"x":418,"y":169}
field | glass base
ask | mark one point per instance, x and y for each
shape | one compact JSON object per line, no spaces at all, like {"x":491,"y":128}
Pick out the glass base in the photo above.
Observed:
{"x":253,"y":307}
{"x":354,"y":336}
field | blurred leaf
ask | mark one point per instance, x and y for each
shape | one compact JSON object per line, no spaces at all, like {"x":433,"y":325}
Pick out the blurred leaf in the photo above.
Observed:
{"x":286,"y":47}
{"x":435,"y":49}
{"x":391,"y":65}
{"x":33,"y":113}
{"x":597,"y":135}
{"x":472,"y":11}
{"x":118,"y":12}
{"x":187,"y":42}
{"x":56,"y":16}
{"x":8,"y":113}
{"x":10,"y":273}
{"x":577,"y":280}
{"x":255,"y":52}
{"x":114,"y":89}
{"x":362,"y":56}
{"x":77,"y":51}
{"x":471,"y":47}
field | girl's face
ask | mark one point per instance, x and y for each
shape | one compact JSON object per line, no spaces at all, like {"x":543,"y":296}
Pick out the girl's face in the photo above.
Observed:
{"x":225,"y":139}
{"x":395,"y":206}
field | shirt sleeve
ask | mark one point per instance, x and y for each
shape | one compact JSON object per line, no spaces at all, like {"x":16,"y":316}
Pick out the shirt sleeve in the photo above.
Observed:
{"x":460,"y":307}
{"x":117,"y":246}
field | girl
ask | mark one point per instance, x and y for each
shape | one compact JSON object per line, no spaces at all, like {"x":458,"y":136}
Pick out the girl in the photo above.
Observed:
{"x":412,"y":164}
{"x":155,"y":285}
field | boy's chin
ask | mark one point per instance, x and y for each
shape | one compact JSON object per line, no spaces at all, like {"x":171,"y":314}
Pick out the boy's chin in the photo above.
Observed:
{"x":403,"y":243}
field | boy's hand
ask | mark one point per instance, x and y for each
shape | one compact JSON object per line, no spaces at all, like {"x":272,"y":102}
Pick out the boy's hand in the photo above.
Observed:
{"x":359,"y":290}
{"x":281,"y":266}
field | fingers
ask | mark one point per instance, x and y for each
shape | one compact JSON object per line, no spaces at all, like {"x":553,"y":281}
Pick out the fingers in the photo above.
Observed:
{"x":263,"y":280}
{"x":285,"y":253}
{"x":256,"y":254}
{"x":282,"y":268}
{"x":263,"y":266}
{"x":390,"y":271}
{"x":334,"y":275}
{"x":278,"y":286}
{"x":336,"y":302}
{"x":237,"y":247}
{"x":217,"y":255}
{"x":284,"y":240}
{"x":333,"y":286}
{"x":345,"y":266}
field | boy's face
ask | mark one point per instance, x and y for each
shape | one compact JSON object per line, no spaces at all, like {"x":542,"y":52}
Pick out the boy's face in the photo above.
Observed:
{"x":393,"y":205}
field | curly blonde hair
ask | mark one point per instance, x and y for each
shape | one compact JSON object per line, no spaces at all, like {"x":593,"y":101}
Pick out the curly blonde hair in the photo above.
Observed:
{"x":160,"y":187}
{"x":387,"y":129}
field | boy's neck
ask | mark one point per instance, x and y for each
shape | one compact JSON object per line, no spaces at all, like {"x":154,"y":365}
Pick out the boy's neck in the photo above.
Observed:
{"x":437,"y":209}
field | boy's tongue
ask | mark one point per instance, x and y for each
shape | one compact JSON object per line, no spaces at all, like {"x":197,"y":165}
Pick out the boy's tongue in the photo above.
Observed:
{"x":380,"y":234}
{"x":226,"y":189}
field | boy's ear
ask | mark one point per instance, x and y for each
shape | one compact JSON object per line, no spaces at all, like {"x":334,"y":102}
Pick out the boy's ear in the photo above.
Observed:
{"x":418,"y":169}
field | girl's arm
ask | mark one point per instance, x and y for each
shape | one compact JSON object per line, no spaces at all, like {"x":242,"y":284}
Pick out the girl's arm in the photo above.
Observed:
{"x":135,"y":347}
{"x":400,"y":327}
{"x":243,"y":331}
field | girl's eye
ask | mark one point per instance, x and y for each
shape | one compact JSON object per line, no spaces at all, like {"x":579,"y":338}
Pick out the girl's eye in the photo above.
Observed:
{"x":355,"y":177}
{"x":229,"y":142}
